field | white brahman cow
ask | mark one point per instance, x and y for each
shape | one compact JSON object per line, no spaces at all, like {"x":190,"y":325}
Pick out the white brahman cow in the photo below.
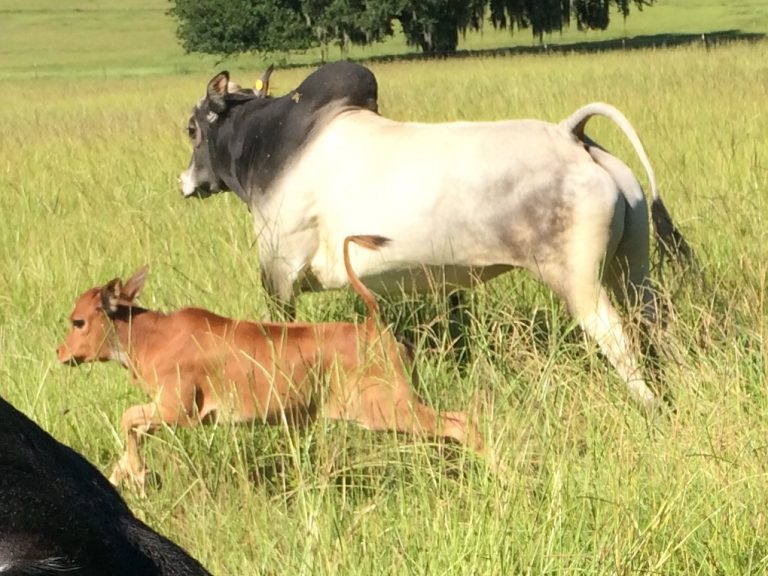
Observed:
{"x":461,"y":202}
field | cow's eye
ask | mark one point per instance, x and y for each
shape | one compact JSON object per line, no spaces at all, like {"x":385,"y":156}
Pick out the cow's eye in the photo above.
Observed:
{"x":194,"y":132}
{"x":78,"y":323}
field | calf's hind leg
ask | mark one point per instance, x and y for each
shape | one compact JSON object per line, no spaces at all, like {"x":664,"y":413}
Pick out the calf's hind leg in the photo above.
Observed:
{"x":382,"y":405}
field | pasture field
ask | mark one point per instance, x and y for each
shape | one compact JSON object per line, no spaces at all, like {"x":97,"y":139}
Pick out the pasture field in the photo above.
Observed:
{"x":588,"y":483}
{"x":100,"y":38}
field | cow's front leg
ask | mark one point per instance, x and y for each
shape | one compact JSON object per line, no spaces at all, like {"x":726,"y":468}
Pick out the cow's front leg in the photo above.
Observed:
{"x":282,"y":264}
{"x":278,"y":277}
{"x":279,"y":287}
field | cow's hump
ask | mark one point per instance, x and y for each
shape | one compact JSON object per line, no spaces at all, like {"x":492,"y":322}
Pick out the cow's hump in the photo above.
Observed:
{"x":272,"y":134}
{"x":343,"y":82}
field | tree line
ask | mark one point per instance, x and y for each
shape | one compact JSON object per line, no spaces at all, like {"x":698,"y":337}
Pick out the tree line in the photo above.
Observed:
{"x":234,"y":26}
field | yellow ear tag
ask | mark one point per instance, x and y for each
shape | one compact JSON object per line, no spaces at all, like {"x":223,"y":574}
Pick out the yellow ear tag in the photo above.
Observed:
{"x":259,"y":85}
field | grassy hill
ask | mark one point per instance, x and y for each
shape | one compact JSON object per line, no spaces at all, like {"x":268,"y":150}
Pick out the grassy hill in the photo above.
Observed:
{"x":112,"y":37}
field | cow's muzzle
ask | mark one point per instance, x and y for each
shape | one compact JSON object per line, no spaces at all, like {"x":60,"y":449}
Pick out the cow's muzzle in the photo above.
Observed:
{"x":189,"y":187}
{"x":202,"y":192}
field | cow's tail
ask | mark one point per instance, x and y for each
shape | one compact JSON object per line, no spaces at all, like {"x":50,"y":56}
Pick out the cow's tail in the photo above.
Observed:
{"x":670,"y":239}
{"x":371,"y":243}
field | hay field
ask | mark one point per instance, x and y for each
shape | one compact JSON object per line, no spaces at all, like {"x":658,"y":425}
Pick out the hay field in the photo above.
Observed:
{"x":88,"y":191}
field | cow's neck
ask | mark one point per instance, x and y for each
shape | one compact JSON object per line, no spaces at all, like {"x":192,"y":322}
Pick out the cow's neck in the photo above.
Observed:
{"x":229,"y":158}
{"x":137,"y":332}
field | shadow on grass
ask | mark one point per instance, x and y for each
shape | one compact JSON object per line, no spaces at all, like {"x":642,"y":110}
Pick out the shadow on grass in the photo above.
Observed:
{"x":707,"y":39}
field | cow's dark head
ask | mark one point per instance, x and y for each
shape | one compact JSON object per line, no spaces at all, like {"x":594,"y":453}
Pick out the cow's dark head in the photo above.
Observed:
{"x":209,"y":116}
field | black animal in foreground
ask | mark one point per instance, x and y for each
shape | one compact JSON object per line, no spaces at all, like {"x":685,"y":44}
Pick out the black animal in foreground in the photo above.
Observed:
{"x":59,"y":515}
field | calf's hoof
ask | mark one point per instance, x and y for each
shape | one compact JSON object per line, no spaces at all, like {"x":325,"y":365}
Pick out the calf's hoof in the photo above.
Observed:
{"x":122,"y":471}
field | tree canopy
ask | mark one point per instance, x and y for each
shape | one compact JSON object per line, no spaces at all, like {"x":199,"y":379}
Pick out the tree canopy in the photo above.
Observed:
{"x":233,"y":26}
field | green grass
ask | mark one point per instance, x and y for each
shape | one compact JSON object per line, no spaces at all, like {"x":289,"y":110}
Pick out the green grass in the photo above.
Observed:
{"x":45,"y":38}
{"x":88,"y":167}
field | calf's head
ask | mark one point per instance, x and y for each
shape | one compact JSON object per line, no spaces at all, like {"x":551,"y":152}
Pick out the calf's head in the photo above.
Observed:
{"x":207,"y":118}
{"x":91,"y":336}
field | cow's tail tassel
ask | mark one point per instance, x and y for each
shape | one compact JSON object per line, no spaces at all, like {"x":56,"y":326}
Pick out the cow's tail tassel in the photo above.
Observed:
{"x":369,"y":242}
{"x":670,"y":239}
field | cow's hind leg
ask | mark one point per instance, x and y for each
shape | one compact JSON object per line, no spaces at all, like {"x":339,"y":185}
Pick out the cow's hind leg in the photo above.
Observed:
{"x":628,"y":268}
{"x":628,"y":276}
{"x":592,"y":307}
{"x":596,"y":227}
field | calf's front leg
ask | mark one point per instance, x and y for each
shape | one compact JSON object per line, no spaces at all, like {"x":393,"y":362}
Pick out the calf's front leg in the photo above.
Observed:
{"x":137,"y":421}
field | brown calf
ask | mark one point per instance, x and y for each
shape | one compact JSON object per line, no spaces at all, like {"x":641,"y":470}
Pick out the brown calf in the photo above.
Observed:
{"x":199,"y":366}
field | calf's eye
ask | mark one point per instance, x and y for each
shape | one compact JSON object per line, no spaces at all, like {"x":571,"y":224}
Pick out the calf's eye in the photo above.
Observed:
{"x":77,"y":323}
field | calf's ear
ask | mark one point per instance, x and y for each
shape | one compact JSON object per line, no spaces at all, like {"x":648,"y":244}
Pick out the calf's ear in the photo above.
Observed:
{"x":110,"y":296}
{"x":262,"y":84}
{"x":134,"y":285}
{"x":217,"y":90}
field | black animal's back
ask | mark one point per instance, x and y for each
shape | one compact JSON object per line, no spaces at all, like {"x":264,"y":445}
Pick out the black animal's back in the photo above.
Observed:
{"x":60,"y":515}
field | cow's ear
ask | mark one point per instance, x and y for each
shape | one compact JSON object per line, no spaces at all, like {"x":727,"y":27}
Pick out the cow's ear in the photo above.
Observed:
{"x":217,"y":90}
{"x":134,"y":285}
{"x":110,"y":296}
{"x":262,"y":84}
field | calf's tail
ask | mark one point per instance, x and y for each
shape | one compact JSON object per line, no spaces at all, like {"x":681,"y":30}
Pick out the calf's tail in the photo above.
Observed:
{"x":671,"y":240}
{"x":370,"y":243}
